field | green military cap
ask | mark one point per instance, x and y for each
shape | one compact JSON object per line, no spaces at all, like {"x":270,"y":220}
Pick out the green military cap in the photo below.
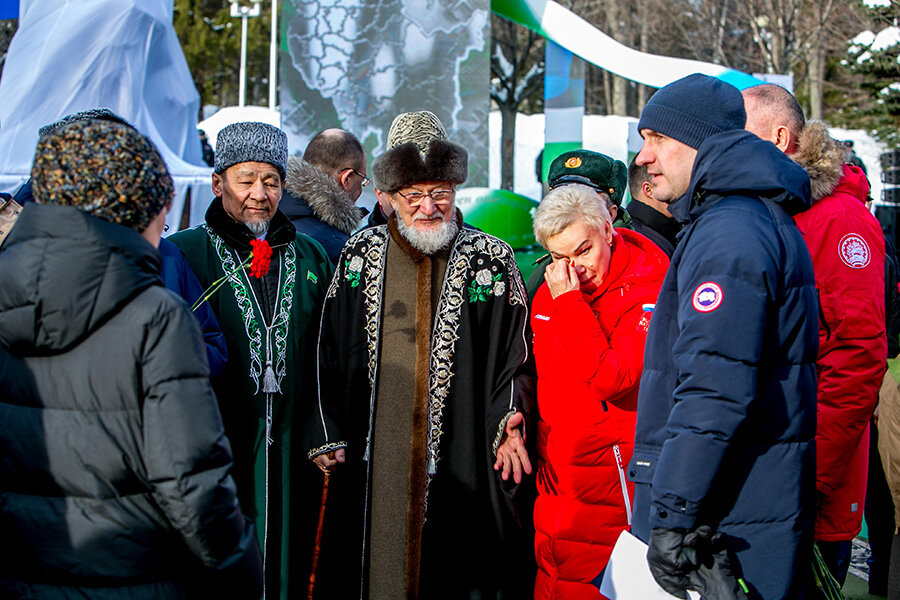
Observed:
{"x":601,"y":172}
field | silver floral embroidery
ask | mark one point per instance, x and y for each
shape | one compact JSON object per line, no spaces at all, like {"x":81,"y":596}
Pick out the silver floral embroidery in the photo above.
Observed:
{"x":368,"y":250}
{"x":242,"y":297}
{"x":282,"y":320}
{"x":483,"y":277}
{"x":499,"y":288}
{"x":463,"y":257}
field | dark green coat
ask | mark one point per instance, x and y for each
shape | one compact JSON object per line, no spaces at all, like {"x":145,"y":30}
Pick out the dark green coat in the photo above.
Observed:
{"x":291,"y":478}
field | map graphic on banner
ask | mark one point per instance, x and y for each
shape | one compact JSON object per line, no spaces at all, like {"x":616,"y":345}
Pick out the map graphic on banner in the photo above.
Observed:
{"x":356,"y":65}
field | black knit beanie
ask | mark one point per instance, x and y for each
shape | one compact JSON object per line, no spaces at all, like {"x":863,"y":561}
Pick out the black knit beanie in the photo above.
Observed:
{"x":694,"y":108}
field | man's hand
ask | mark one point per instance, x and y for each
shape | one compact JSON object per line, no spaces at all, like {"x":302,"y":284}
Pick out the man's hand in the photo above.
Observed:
{"x":512,"y":456}
{"x":717,"y":578}
{"x":671,"y":558}
{"x":329,"y":460}
{"x":561,"y":278}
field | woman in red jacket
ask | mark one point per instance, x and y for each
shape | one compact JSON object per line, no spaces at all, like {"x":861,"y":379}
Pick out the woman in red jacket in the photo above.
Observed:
{"x":590,"y":322}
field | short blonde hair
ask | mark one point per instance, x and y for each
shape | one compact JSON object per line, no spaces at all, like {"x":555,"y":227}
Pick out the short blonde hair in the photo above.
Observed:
{"x":566,"y":205}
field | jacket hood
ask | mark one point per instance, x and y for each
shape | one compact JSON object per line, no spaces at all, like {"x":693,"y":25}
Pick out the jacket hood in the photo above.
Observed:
{"x":822,"y":158}
{"x":327,"y":200}
{"x":739,"y":163}
{"x":64,"y":274}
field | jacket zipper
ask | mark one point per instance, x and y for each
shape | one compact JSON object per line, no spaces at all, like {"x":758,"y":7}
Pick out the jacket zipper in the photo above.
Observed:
{"x":623,"y":483}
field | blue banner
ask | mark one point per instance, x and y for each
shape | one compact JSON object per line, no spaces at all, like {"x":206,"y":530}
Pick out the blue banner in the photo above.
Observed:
{"x":9,"y":9}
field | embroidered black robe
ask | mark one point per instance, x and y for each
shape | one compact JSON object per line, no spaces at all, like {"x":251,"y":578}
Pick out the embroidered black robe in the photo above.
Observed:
{"x":470,"y":535}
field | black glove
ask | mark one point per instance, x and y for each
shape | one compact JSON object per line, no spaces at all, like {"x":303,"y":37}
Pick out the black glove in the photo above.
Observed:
{"x":717,"y":578}
{"x":671,"y":556}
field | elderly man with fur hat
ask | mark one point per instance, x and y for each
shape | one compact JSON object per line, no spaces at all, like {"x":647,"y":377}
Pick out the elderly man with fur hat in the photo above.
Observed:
{"x":848,"y":252}
{"x":723,"y":463}
{"x":269,"y":318}
{"x":424,"y":395}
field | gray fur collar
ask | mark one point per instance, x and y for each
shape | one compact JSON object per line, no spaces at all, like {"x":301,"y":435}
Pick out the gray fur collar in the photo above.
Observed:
{"x":328,"y":201}
{"x":822,"y":157}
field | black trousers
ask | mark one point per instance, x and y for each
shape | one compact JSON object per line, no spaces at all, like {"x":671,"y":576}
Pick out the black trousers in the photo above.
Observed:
{"x":893,"y":591}
{"x":879,"y":513}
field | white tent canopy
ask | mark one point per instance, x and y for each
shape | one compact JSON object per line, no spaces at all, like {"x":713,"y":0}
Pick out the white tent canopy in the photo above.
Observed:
{"x":72,"y":55}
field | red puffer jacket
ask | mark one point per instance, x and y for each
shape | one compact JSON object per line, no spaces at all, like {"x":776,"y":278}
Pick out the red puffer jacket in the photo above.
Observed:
{"x":589,"y":352}
{"x":847,"y":249}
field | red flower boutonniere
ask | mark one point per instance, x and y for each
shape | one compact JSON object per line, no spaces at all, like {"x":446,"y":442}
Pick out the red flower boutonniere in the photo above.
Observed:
{"x":261,"y":258}
{"x":259,"y":261}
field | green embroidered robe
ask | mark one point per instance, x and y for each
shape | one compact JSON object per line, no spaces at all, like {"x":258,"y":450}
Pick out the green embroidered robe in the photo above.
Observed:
{"x":276,"y":480}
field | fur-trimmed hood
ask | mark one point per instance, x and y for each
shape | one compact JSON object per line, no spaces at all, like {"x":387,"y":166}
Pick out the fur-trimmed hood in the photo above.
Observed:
{"x":327,"y":200}
{"x":822,"y":157}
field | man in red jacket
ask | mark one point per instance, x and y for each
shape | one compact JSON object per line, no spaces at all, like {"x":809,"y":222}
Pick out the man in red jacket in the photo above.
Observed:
{"x":847,"y":249}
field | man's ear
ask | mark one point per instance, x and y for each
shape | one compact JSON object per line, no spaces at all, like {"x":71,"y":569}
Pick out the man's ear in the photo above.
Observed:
{"x":782,"y":138}
{"x":217,"y":185}
{"x":647,"y":189}
{"x":384,"y":197}
{"x":344,"y":180}
{"x":613,"y":211}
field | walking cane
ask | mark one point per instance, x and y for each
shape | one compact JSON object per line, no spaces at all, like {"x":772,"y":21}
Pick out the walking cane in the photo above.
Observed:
{"x":318,"y":545}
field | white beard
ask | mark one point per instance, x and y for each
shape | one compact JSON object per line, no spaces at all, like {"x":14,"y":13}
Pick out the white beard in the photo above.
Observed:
{"x":257,"y":228}
{"x":429,"y":242}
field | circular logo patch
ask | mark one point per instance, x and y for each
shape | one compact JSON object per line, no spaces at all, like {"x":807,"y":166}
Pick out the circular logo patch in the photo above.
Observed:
{"x":573,"y":162}
{"x":854,"y":251}
{"x":707,"y":297}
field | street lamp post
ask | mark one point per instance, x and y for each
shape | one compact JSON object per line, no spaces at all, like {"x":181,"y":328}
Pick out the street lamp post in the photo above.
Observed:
{"x":244,"y":12}
{"x":273,"y":56}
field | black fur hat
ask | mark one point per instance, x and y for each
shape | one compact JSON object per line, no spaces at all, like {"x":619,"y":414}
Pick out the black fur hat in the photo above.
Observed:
{"x":418,"y":151}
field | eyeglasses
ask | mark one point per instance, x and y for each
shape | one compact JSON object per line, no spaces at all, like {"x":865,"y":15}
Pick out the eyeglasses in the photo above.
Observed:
{"x":440,"y":197}
{"x":365,"y":180}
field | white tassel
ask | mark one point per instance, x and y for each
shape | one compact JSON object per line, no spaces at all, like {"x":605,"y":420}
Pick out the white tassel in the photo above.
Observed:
{"x":269,"y":440}
{"x":270,"y":384}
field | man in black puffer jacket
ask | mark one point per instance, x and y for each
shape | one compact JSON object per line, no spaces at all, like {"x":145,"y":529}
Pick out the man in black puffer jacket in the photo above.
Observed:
{"x":114,"y":466}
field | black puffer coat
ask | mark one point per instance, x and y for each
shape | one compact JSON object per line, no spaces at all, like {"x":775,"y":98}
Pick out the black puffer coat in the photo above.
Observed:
{"x":114,"y":468}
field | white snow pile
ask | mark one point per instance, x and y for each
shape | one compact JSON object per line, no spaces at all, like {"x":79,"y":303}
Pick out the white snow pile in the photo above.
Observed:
{"x":871,"y":42}
{"x":608,"y":135}
{"x":237,"y":114}
{"x":887,"y":37}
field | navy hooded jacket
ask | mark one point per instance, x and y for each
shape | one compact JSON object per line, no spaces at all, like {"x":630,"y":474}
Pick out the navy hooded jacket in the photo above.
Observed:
{"x":178,"y":277}
{"x":727,"y":406}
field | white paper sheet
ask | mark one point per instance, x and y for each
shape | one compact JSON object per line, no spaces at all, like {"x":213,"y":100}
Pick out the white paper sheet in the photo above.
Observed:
{"x":627,"y":575}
